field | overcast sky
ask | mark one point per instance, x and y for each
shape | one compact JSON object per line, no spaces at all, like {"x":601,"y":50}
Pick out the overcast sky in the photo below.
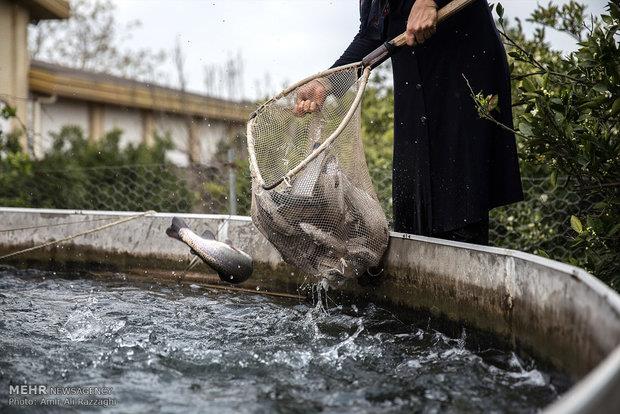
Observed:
{"x":287,"y":39}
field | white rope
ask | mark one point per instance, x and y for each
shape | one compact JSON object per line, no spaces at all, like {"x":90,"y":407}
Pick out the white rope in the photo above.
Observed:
{"x":66,"y":223}
{"x":105,"y":226}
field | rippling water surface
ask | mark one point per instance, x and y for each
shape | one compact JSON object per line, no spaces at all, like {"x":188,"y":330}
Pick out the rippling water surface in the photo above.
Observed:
{"x":180,"y":349}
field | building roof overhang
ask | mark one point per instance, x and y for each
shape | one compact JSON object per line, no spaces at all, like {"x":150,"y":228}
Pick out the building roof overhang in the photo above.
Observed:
{"x":46,"y":9}
{"x":52,"y":79}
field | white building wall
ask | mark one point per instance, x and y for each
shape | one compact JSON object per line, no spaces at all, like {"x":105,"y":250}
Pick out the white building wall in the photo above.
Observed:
{"x":210,"y":134}
{"x":129,"y":120}
{"x":4,"y":123}
{"x":174,"y":125}
{"x":14,"y":18}
{"x":69,"y":112}
{"x":61,"y":113}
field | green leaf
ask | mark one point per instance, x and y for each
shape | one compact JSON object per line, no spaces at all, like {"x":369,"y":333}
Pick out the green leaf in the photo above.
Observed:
{"x":601,"y":205}
{"x":553,"y":179}
{"x":615,"y":107}
{"x":492,"y":103}
{"x":527,"y":85}
{"x":525,"y":129}
{"x":575,"y":223}
{"x":500,"y":10}
{"x":8,"y":111}
{"x":600,"y":87}
{"x":614,"y":230}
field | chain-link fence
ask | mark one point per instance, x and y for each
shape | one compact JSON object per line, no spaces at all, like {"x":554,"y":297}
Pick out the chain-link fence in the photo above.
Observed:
{"x":160,"y":187}
{"x":540,"y":224}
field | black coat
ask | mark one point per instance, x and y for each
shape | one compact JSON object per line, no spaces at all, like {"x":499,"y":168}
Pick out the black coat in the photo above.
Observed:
{"x":450,"y":166}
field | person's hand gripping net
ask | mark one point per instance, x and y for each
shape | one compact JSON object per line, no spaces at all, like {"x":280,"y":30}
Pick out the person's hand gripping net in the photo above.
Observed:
{"x":310,"y":98}
{"x":422,"y":21}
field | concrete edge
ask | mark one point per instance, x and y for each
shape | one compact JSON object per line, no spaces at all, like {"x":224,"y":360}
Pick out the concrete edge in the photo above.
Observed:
{"x":121,"y":213}
{"x":594,"y":283}
{"x":591,"y":393}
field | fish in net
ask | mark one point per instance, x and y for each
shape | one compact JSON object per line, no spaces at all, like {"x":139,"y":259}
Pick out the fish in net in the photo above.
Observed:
{"x":325,"y":218}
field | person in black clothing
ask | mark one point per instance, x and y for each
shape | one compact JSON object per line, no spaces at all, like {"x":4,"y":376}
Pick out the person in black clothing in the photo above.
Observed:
{"x":450,"y":166}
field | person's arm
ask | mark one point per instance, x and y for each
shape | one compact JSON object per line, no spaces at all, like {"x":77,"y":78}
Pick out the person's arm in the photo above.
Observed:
{"x":359,"y":47}
{"x":310,"y":97}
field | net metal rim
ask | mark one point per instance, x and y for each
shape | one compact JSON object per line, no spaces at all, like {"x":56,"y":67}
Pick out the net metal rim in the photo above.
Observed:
{"x":254,"y":168}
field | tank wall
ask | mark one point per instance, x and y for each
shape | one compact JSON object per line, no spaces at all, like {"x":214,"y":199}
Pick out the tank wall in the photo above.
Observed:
{"x":556,"y":310}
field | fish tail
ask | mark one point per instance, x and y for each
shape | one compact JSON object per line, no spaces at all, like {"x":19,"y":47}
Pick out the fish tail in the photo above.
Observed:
{"x":175,"y":227}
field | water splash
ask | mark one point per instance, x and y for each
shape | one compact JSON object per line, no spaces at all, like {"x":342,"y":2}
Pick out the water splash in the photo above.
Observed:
{"x":188,"y":349}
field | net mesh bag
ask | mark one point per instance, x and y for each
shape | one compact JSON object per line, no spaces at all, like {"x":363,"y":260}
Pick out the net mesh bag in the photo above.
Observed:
{"x":324,"y":216}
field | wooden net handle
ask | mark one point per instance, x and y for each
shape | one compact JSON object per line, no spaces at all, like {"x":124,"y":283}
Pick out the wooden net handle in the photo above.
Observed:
{"x":383,"y":52}
{"x":444,"y":13}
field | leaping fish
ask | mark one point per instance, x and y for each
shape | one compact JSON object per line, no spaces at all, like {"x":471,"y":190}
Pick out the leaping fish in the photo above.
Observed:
{"x":231,"y":264}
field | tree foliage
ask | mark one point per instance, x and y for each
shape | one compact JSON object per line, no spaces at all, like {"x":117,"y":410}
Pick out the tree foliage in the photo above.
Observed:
{"x":567,"y":119}
{"x":378,"y":132}
{"x":92,"y":39}
{"x":78,"y":173}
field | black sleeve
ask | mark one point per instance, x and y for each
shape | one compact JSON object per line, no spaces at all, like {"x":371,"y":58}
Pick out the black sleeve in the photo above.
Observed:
{"x":359,"y":47}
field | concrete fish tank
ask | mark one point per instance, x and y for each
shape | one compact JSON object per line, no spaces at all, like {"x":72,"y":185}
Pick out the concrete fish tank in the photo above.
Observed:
{"x":112,"y":319}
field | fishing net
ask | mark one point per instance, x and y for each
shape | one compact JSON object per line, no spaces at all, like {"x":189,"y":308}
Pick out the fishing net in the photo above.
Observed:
{"x":312,"y":196}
